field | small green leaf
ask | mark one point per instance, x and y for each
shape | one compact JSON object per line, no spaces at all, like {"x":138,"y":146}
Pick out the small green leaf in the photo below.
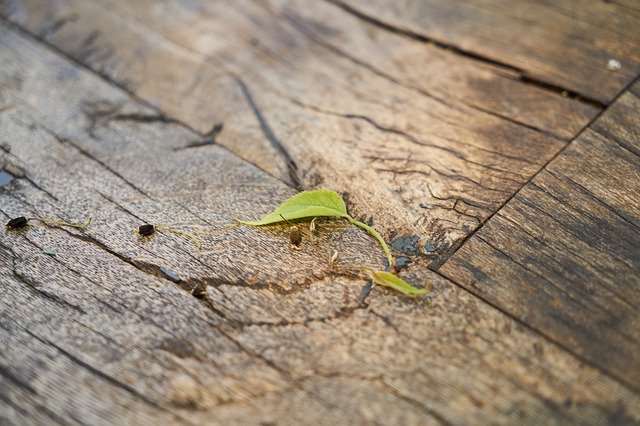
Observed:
{"x":310,"y":204}
{"x":389,"y":280}
{"x":307,"y":204}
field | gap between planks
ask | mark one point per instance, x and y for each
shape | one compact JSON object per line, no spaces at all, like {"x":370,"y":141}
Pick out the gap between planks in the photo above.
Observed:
{"x":585,"y":128}
{"x":513,"y":316}
{"x":522,"y":75}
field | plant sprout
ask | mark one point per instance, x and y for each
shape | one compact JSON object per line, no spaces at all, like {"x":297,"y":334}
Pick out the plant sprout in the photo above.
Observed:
{"x":327,"y":203}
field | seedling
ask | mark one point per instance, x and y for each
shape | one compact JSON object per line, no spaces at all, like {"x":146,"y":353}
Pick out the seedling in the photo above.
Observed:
{"x":22,"y":222}
{"x":147,"y":230}
{"x":313,"y":204}
{"x":327,"y":203}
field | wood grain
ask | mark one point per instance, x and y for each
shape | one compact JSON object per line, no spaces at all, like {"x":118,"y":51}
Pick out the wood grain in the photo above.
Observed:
{"x":564,"y":253}
{"x":93,"y":332}
{"x":591,"y":48}
{"x":426,"y":143}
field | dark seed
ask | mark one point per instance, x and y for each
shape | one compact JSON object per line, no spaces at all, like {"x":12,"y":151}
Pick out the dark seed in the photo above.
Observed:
{"x":18,"y":222}
{"x":296,"y":236}
{"x":145,"y":230}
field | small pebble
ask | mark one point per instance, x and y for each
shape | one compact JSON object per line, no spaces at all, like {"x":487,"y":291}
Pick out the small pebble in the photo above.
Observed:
{"x":364,"y":293}
{"x":6,"y":178}
{"x":429,"y":247}
{"x":402,"y":262}
{"x":614,"y":64}
{"x":49,"y":252}
{"x":406,"y":244}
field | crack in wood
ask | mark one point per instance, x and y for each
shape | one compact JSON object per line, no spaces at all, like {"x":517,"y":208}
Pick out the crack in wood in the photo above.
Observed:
{"x":52,"y":418}
{"x":342,"y":312}
{"x":552,"y":259}
{"x":588,"y":193}
{"x":410,"y":137}
{"x":298,"y":24}
{"x":209,"y":138}
{"x":522,"y":77}
{"x":292,"y":167}
{"x":96,"y":372}
{"x":587,"y":126}
{"x":9,"y":375}
{"x":124,"y":88}
{"x":58,"y":24}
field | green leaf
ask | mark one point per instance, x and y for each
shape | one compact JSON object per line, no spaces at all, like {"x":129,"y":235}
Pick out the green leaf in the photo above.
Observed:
{"x":310,"y":204}
{"x":389,"y":280}
{"x":307,"y":204}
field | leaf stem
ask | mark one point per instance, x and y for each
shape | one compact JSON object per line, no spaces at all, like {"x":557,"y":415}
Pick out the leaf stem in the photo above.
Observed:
{"x":376,"y":235}
{"x":54,"y":222}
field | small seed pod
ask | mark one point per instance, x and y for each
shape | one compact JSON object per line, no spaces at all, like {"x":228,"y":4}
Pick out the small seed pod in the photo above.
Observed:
{"x":296,"y":236}
{"x":199,"y":291}
{"x":18,"y":222}
{"x":145,"y":230}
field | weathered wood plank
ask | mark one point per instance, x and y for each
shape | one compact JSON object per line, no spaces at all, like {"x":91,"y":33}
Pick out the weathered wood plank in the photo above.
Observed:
{"x":564,"y":253}
{"x":94,"y":335}
{"x":425,"y":68}
{"x":112,"y":170}
{"x":400,"y":126}
{"x":592,"y":48}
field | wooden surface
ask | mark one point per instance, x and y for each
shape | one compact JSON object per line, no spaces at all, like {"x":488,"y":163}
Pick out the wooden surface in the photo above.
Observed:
{"x":562,"y":43}
{"x":433,"y":165}
{"x":192,"y":113}
{"x":572,"y":237}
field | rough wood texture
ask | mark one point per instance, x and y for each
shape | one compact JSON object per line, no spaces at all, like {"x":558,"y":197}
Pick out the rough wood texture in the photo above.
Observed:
{"x":431,"y":141}
{"x":592,"y":47}
{"x":564,"y":254}
{"x":93,"y":333}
